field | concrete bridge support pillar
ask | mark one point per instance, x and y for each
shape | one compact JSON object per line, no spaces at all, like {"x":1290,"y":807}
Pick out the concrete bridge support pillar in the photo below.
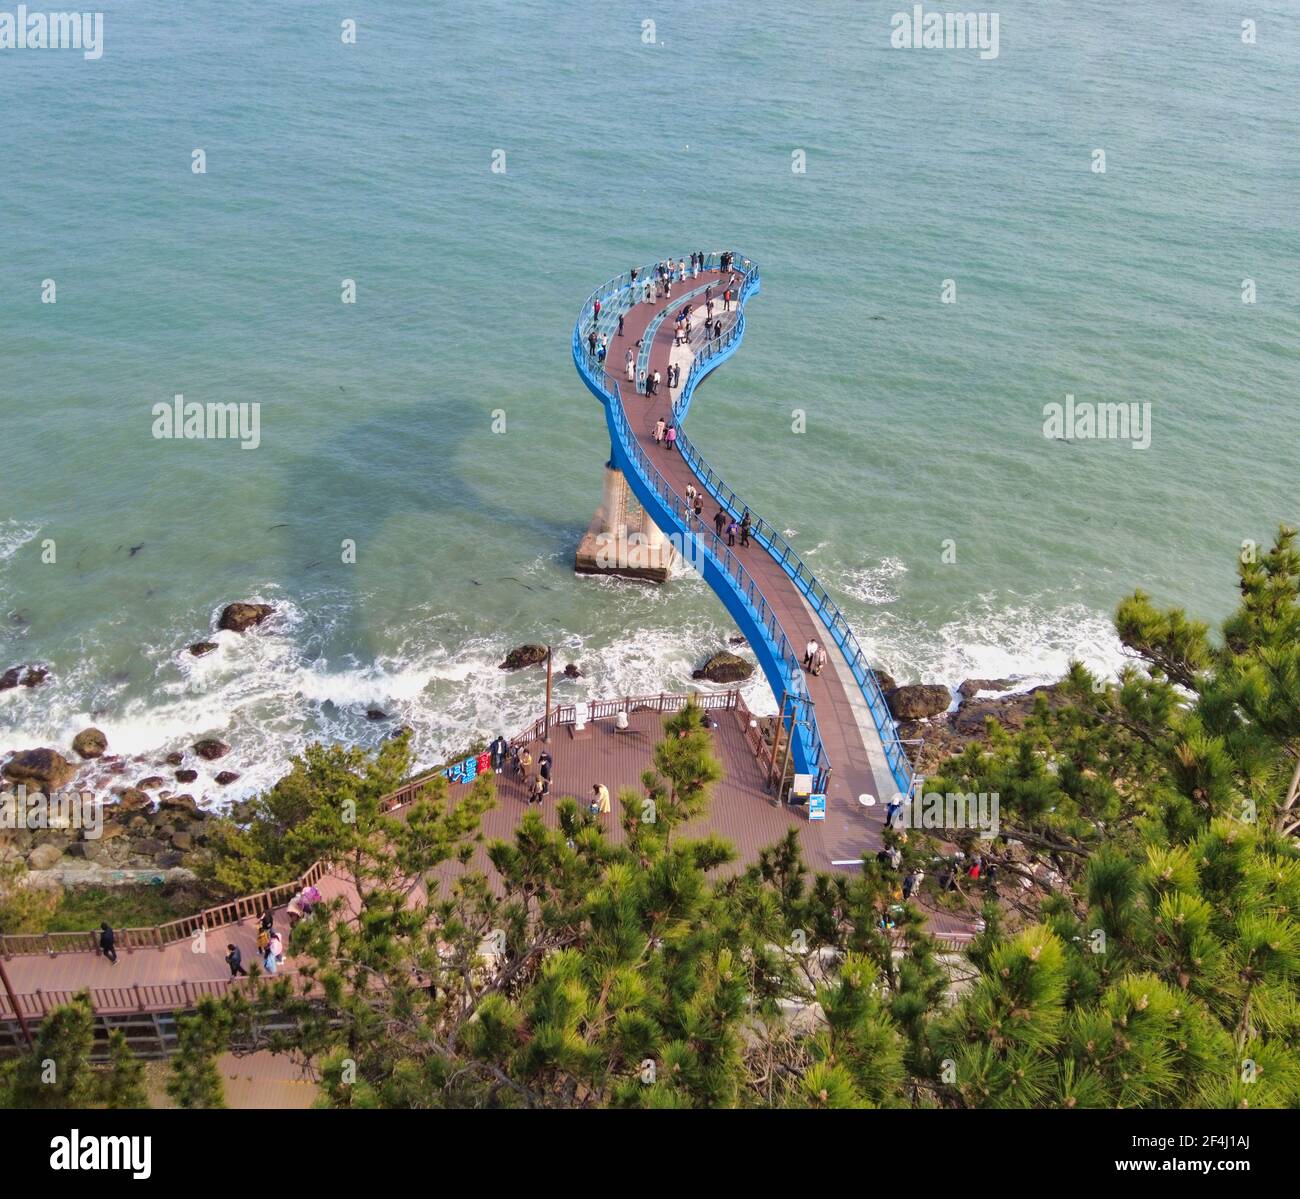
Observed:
{"x":622,"y":539}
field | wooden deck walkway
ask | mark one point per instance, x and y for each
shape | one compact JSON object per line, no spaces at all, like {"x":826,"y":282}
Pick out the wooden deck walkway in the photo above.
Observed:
{"x":173,"y":975}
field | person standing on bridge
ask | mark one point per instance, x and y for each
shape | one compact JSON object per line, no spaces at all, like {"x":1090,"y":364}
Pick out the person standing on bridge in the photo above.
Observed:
{"x":595,"y":312}
{"x":819,"y":660}
{"x":731,"y":533}
{"x":720,"y":521}
{"x":656,"y":387}
{"x":629,"y":366}
{"x":810,"y":654}
{"x":699,"y":508}
{"x":498,"y":749}
{"x":659,"y":429}
{"x":591,"y":343}
{"x":670,"y":437}
{"x":235,"y":960}
{"x":620,"y":325}
{"x":744,"y":530}
{"x":108,"y":942}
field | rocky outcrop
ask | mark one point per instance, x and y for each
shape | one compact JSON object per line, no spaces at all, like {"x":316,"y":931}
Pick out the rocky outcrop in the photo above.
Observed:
{"x":724,"y":667}
{"x":917,"y":701}
{"x":199,"y":648}
{"x":571,"y":671}
{"x":886,"y":680}
{"x":942,"y":738}
{"x":242,"y":616}
{"x":226,"y":777}
{"x":971,"y":687}
{"x":210,"y":749}
{"x":27,"y":676}
{"x":186,"y":776}
{"x":90,"y":743}
{"x":152,"y":783}
{"x":43,"y":769}
{"x":524,"y":655}
{"x":376,"y":714}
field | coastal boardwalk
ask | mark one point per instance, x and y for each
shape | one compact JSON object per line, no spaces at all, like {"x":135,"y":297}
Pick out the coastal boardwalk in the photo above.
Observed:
{"x":172,"y":975}
{"x":848,"y":732}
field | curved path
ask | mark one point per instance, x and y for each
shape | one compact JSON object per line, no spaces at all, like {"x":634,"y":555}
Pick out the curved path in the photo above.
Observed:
{"x":844,"y":733}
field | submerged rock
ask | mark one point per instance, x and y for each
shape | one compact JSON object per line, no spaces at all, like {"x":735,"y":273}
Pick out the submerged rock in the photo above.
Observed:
{"x":724,"y":667}
{"x":199,"y":648}
{"x":524,"y":655}
{"x":571,"y":671}
{"x":971,"y":687}
{"x":226,"y":777}
{"x":186,"y":776}
{"x":376,"y":714}
{"x":241,"y":616}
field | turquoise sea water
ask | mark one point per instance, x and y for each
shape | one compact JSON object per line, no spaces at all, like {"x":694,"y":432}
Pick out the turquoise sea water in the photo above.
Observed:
{"x":372,"y":162}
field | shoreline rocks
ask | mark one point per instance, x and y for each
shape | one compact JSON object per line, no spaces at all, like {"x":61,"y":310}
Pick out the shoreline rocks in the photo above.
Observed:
{"x":40,"y":769}
{"x":27,"y":675}
{"x":918,"y":701}
{"x":90,"y":744}
{"x":210,"y":749}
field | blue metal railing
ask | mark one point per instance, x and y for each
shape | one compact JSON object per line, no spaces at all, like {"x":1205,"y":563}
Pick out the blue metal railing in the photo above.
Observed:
{"x":616,"y":296}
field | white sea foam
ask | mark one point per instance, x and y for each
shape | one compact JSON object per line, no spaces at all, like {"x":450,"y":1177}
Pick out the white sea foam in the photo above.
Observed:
{"x":871,"y":584}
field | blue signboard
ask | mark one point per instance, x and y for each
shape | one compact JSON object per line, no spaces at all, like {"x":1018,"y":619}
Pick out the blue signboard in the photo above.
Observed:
{"x":817,"y":807}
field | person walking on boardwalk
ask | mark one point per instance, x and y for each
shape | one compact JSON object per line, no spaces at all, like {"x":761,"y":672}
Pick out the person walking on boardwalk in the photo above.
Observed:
{"x":235,"y":960}
{"x":600,"y":800}
{"x":670,"y":437}
{"x":108,"y":942}
{"x":659,"y":429}
{"x":535,"y":790}
{"x":819,"y":660}
{"x":595,"y":312}
{"x":591,"y":343}
{"x":731,"y":533}
{"x":744,"y":532}
{"x":620,"y":326}
{"x":690,"y":495}
{"x":263,"y":941}
{"x":525,"y":762}
{"x":656,"y":388}
{"x":809,"y":654}
{"x":499,"y":748}
{"x":629,"y":365}
{"x":699,"y":508}
{"x":720,"y":521}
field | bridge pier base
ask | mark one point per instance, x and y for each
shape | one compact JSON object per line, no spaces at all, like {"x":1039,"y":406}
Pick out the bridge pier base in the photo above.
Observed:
{"x":622,"y":540}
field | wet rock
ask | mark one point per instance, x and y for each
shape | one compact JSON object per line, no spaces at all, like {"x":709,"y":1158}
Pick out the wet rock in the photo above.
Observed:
{"x":90,"y":743}
{"x":226,"y":777}
{"x":970,"y":687}
{"x":737,"y":640}
{"x":40,"y":768}
{"x":886,"y":681}
{"x":35,"y":676}
{"x":571,"y":671}
{"x":918,"y":701}
{"x":941,"y":739}
{"x":132,"y":799}
{"x":210,"y":749}
{"x":724,"y":667}
{"x":186,"y":776}
{"x":182,"y":804}
{"x":152,"y":783}
{"x":199,"y":648}
{"x":524,"y":655}
{"x":241,"y":616}
{"x":11,"y":677}
{"x":376,"y":714}
{"x":175,"y":758}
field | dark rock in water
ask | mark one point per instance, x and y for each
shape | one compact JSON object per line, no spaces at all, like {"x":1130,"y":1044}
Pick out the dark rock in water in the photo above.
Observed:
{"x":90,"y":743}
{"x":918,"y":700}
{"x":737,"y":640}
{"x":524,"y":655}
{"x":210,"y":749}
{"x":175,"y":758}
{"x":35,"y":676}
{"x":376,"y":714}
{"x":239,"y":617}
{"x":10,"y":678}
{"x":186,"y":776}
{"x":886,"y":680}
{"x":43,"y":769}
{"x":571,"y":671}
{"x":226,"y":777}
{"x":969,"y":688}
{"x":199,"y":648}
{"x":724,"y":667}
{"x":152,"y":783}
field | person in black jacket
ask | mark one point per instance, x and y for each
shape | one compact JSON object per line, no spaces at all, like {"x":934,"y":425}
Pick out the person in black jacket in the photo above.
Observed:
{"x":107,"y":944}
{"x":235,"y":960}
{"x":498,"y":749}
